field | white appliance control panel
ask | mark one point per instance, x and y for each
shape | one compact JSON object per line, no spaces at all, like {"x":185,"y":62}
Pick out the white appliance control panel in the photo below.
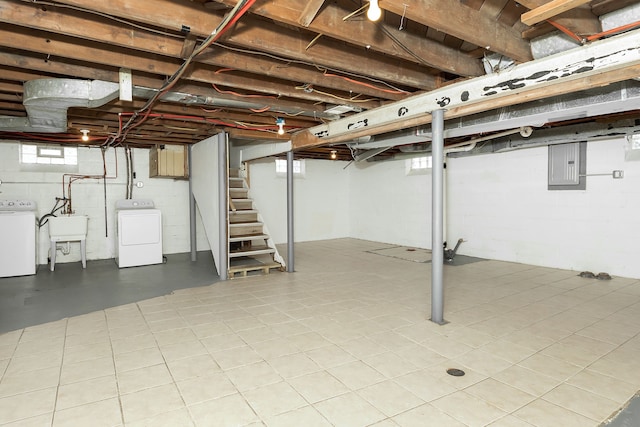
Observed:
{"x":134,"y":204}
{"x":18,"y":205}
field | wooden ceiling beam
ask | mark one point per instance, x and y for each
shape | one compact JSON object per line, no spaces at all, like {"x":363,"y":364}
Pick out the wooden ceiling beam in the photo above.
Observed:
{"x":361,"y":32}
{"x":64,"y":47}
{"x":550,"y":9}
{"x":251,"y":33}
{"x":309,"y":12}
{"x":82,"y":28}
{"x":580,"y":20}
{"x":79,"y":25}
{"x":11,"y":87}
{"x":465,"y":23}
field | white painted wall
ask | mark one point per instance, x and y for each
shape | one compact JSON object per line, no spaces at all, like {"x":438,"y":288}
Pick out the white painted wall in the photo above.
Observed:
{"x":500,"y":204}
{"x":321,"y":209}
{"x":387,"y":205}
{"x":170,"y":196}
{"x":205,"y":181}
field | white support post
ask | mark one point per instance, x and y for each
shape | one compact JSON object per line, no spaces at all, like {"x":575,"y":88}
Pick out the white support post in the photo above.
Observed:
{"x":437,"y":249}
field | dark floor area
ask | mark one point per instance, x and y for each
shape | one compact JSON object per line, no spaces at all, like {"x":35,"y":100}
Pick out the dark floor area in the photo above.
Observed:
{"x":629,"y":416}
{"x":71,"y":290}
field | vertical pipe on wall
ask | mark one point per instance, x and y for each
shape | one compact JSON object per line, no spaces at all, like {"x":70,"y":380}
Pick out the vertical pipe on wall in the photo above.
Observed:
{"x":290,"y":254}
{"x":223,"y":205}
{"x":192,"y":209}
{"x":437,"y":250}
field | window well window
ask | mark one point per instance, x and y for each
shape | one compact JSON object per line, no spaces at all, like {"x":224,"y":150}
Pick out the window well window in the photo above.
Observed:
{"x":418,"y":165}
{"x":43,"y":154}
{"x":281,"y":167}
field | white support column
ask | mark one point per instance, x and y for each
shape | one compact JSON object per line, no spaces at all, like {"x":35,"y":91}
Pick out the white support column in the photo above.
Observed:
{"x":192,"y":210}
{"x":290,"y":252}
{"x":437,"y":250}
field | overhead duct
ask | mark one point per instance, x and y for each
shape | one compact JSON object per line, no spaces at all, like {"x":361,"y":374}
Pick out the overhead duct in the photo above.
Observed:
{"x":620,"y":17}
{"x":560,"y":135}
{"x":47,"y":101}
{"x":552,"y":43}
{"x":191,"y":99}
{"x":557,"y":41}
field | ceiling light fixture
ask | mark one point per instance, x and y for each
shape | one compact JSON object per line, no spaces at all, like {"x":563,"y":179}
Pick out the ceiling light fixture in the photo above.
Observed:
{"x":334,"y":154}
{"x":85,"y":134}
{"x":280,"y":123}
{"x":374,"y":13}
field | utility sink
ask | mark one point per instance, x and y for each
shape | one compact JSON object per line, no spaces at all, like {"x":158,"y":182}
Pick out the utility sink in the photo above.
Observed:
{"x":68,"y":227}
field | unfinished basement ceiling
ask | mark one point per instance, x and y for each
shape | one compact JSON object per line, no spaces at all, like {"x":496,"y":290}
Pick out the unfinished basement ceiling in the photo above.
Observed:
{"x":296,"y":60}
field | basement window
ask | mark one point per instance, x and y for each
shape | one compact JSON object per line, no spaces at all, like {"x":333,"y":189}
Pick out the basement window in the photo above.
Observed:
{"x":281,"y":167}
{"x":418,"y":165}
{"x":45,"y":154}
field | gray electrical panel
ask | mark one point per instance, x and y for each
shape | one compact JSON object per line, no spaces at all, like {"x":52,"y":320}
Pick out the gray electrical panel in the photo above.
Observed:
{"x":567,"y":166}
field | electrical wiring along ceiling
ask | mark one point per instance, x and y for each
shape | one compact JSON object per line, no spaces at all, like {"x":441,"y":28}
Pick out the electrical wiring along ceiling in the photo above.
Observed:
{"x":239,"y":66}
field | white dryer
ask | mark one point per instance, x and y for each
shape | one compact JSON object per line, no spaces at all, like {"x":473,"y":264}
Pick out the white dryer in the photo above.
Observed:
{"x":18,"y":237}
{"x":139,"y":233}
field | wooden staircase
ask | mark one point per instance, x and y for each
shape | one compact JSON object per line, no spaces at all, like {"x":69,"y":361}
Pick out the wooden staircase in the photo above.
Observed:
{"x":250,"y":247}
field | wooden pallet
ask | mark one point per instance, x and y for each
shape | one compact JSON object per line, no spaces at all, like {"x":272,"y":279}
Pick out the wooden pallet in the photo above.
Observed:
{"x":244,"y":270}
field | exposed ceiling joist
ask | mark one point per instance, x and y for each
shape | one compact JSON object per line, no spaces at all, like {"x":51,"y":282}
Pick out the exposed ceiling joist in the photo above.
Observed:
{"x":550,"y":9}
{"x":309,"y":12}
{"x":580,"y":20}
{"x":262,"y":67}
{"x":452,"y":17}
{"x":379,"y":36}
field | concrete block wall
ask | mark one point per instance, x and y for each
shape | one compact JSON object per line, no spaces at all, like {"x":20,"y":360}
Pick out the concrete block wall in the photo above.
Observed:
{"x":500,"y":204}
{"x":321,"y":200}
{"x":88,"y":198}
{"x":388,"y":205}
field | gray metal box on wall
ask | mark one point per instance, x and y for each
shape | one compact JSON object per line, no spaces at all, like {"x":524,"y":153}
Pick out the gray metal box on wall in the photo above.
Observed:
{"x":567,"y":166}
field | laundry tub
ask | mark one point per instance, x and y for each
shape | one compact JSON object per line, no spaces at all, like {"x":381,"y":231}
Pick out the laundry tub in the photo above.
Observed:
{"x":68,"y":228}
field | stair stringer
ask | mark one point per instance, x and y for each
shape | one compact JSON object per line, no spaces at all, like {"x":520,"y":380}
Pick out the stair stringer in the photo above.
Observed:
{"x":265,"y":229}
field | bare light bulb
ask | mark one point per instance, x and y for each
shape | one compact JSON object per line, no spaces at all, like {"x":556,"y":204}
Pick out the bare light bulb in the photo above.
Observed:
{"x":374,"y":13}
{"x":85,"y":134}
{"x":334,"y":154}
{"x":280,"y":123}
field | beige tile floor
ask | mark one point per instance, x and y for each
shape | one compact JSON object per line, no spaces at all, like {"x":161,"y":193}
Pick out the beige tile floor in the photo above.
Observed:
{"x":344,"y":341}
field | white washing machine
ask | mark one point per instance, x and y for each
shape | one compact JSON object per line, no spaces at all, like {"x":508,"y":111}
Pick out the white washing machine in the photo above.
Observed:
{"x":139,"y":233}
{"x":18,"y":237}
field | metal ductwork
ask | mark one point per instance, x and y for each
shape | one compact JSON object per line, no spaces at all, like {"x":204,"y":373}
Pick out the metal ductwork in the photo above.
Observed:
{"x":563,"y":135}
{"x":47,"y":101}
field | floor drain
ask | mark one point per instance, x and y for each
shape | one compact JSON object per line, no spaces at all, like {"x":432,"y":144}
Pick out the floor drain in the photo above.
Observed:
{"x":455,"y":372}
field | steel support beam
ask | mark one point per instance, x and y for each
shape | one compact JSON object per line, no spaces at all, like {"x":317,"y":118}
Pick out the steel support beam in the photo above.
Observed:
{"x":437,"y":187}
{"x":290,"y":252}
{"x":223,"y":205}
{"x":192,"y":210}
{"x":597,"y":64}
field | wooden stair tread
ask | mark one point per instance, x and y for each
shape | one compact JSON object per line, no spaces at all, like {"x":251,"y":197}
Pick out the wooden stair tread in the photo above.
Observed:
{"x":243,"y":211}
{"x":248,"y":237}
{"x":254,"y":250}
{"x":243,"y":224}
